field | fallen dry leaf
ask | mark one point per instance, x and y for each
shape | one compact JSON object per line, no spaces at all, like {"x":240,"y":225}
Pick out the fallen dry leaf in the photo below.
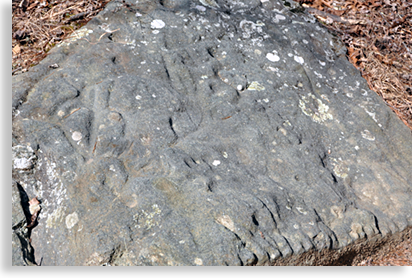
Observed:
{"x":34,"y":208}
{"x":16,"y":50}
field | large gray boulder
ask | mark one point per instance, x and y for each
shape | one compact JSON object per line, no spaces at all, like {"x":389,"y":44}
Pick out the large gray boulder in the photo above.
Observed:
{"x":210,"y":132}
{"x":22,"y":251}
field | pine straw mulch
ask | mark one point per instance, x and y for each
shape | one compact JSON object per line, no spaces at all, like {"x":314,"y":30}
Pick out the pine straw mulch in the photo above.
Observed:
{"x":37,"y":26}
{"x":378,"y":36}
{"x":400,"y":255}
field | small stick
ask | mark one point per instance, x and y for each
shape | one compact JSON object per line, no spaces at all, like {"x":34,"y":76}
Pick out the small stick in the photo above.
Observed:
{"x":75,"y":110}
{"x":21,"y":3}
{"x":94,"y":148}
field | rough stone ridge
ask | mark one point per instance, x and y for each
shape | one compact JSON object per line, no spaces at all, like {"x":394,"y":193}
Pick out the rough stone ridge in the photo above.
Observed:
{"x":210,"y":132}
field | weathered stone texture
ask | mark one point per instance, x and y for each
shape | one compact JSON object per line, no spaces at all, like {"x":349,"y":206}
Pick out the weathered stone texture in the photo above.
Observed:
{"x":205,"y":133}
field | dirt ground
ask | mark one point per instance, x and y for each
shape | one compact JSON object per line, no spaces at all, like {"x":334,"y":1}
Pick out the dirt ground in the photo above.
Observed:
{"x":392,"y":255}
{"x":377,"y":34}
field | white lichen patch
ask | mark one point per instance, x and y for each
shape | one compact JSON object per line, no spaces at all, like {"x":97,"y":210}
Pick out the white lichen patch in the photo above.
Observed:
{"x":71,"y":220}
{"x":132,"y":44}
{"x":371,"y":114}
{"x":77,"y":136}
{"x":209,"y":3}
{"x":50,"y":189}
{"x":252,"y":31}
{"x":55,"y":218}
{"x":200,"y":8}
{"x":95,"y":260}
{"x":301,"y":210}
{"x":226,"y":221}
{"x":340,"y":169}
{"x":23,"y":157}
{"x":255,"y":86}
{"x":149,"y":217}
{"x":216,"y":163}
{"x":60,"y":113}
{"x":76,"y":35}
{"x":272,"y":57}
{"x":157,"y":24}
{"x":198,"y":261}
{"x":56,"y":189}
{"x":298,"y":59}
{"x":315,"y":108}
{"x":366,"y":134}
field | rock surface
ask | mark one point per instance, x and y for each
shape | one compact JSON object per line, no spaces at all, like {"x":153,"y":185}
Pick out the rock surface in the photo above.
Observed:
{"x":210,"y":132}
{"x":22,"y":251}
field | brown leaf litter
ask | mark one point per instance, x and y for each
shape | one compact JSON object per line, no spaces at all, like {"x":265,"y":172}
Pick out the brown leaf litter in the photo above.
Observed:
{"x":399,"y":255}
{"x":37,"y":26}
